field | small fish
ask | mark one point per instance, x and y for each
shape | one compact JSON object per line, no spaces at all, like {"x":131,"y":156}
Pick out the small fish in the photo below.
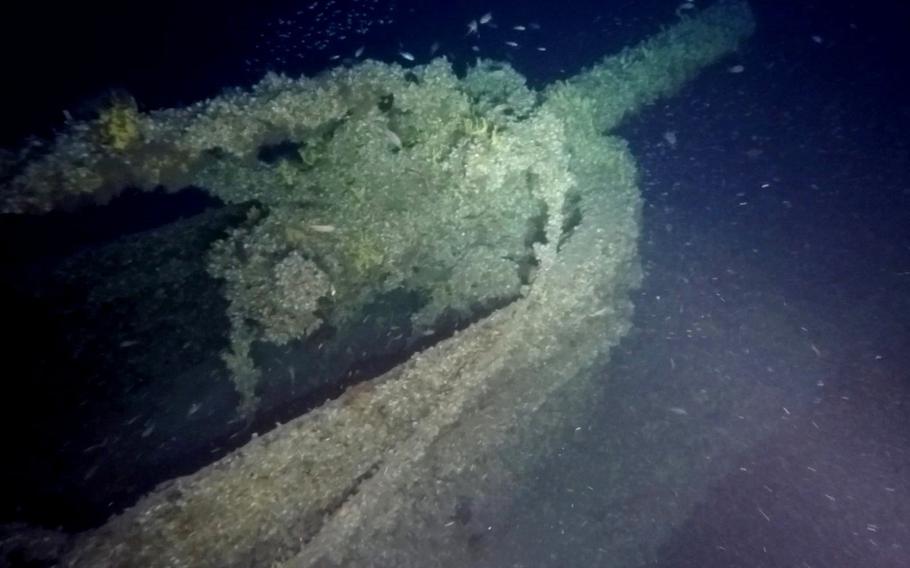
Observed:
{"x":95,"y":447}
{"x":541,"y":48}
{"x":736,"y":69}
{"x":486,"y":18}
{"x":359,"y":51}
{"x":678,"y":410}
{"x":90,"y":472}
{"x":519,"y":28}
{"x":406,"y":55}
{"x":818,"y":39}
{"x":472,"y":27}
{"x":322,"y":228}
{"x":194,"y":408}
{"x":511,"y":43}
{"x":683,"y":8}
{"x":434,"y":47}
{"x":393,"y":139}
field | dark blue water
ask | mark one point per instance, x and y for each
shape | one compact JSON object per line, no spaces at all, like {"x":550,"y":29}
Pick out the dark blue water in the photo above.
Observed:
{"x":758,"y":413}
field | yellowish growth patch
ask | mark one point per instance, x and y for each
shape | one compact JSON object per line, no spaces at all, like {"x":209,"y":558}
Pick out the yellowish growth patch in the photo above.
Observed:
{"x":118,"y":123}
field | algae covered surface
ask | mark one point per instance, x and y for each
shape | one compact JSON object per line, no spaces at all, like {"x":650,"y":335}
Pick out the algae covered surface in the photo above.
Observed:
{"x":472,"y":195}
